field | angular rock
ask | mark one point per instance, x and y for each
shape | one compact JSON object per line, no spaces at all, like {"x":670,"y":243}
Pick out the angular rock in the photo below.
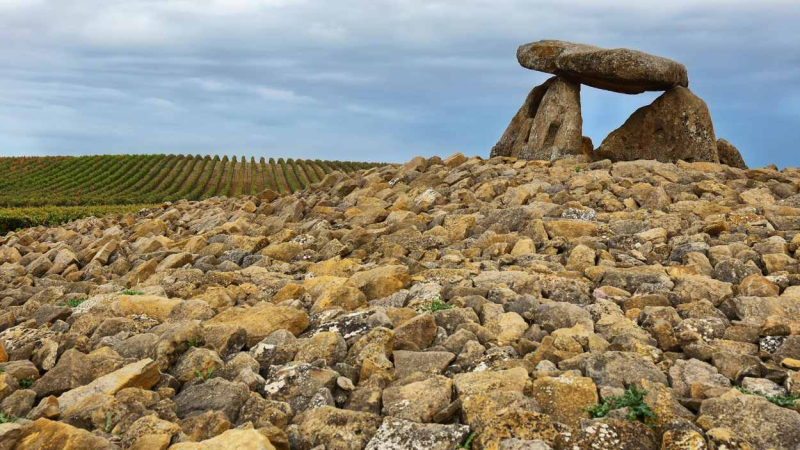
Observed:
{"x":408,"y":362}
{"x":335,"y":429}
{"x":230,"y":440}
{"x":143,"y":374}
{"x":259,"y":321}
{"x":565,"y":398}
{"x":213,"y":395}
{"x":616,"y":369}
{"x":47,"y":434}
{"x":516,"y":136}
{"x":512,"y":380}
{"x":399,"y":433}
{"x":753,"y":419}
{"x":418,"y":401}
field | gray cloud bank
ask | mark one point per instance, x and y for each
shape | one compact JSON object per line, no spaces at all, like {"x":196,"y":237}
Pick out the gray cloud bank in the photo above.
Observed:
{"x":365,"y":80}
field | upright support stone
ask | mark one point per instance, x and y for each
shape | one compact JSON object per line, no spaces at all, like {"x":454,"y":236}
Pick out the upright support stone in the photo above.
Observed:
{"x":677,"y":125}
{"x":556,"y":130}
{"x":547,"y":126}
{"x":516,"y":135}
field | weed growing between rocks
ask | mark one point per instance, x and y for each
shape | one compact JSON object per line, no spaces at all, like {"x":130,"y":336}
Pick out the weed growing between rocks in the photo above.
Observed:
{"x":782,"y":400}
{"x":129,"y":292}
{"x":7,"y":419}
{"x":204,"y":375}
{"x":467,"y":445}
{"x":194,"y":342}
{"x":633,"y":399}
{"x":73,"y":302}
{"x":436,"y":304}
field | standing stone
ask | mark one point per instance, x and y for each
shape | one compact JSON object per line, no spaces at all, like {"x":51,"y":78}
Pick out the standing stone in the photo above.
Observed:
{"x":516,"y":135}
{"x":619,"y":70}
{"x":728,"y":154}
{"x":677,"y":125}
{"x":556,"y":130}
{"x":548,"y":126}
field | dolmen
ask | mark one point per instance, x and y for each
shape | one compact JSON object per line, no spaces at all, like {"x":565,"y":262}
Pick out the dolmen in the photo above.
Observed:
{"x":548,"y":126}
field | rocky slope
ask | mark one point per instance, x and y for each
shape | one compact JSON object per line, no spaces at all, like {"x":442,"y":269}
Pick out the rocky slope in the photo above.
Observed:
{"x":418,"y":306}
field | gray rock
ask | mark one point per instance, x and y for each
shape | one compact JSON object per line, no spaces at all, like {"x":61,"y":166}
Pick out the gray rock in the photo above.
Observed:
{"x":408,"y":362}
{"x":212,"y":395}
{"x":684,"y":373}
{"x":616,"y":369}
{"x":754,"y":419}
{"x":395,"y":434}
{"x":762,"y":386}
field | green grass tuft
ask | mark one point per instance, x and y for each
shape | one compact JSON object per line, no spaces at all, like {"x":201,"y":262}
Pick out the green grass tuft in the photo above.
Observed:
{"x":129,"y":292}
{"x":205,"y":375}
{"x":633,"y":399}
{"x":73,"y":302}
{"x":467,"y":445}
{"x":784,"y":401}
{"x":195,"y":342}
{"x":436,"y":304}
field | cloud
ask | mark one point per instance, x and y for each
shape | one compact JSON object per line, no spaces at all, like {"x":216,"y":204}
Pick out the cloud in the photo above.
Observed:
{"x":386,"y":79}
{"x":161,"y":104}
{"x":280,"y":95}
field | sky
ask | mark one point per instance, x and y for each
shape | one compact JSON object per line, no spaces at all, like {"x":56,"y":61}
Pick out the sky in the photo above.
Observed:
{"x":366,"y":80}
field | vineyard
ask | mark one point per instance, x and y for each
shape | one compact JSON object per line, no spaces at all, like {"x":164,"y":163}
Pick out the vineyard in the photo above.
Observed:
{"x":143,"y":179}
{"x":51,"y":190}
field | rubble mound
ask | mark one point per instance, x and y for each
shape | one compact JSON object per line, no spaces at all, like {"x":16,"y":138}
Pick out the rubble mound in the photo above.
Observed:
{"x":503,"y":303}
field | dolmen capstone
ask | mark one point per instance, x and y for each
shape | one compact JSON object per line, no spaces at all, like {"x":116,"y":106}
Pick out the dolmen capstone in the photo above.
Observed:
{"x":548,"y":126}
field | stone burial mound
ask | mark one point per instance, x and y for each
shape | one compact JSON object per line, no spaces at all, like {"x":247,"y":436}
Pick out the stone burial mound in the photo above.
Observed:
{"x":511,"y":304}
{"x":548,"y":126}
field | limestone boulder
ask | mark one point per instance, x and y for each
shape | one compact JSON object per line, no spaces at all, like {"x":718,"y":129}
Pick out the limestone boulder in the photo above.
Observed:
{"x":753,"y":419}
{"x":143,"y":374}
{"x":48,"y":434}
{"x":565,"y":398}
{"x":261,"y":320}
{"x":418,"y":401}
{"x":238,"y":439}
{"x":335,"y":429}
{"x":399,"y":433}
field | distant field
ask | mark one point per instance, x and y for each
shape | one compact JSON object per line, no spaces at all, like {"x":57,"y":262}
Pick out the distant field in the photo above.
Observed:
{"x":16,"y":218}
{"x":143,"y":179}
{"x":52,"y":190}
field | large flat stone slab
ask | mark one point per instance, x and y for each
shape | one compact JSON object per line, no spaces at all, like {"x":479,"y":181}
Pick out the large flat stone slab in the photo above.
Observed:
{"x":618,"y":70}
